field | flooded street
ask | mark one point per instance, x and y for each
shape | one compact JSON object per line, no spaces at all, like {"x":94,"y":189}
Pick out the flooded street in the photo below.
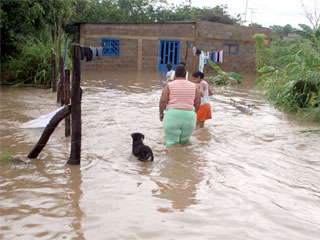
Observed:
{"x":244,"y":176}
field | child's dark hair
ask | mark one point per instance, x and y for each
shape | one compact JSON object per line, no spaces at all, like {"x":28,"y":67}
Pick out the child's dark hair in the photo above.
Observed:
{"x":198,"y":74}
{"x":169,"y":66}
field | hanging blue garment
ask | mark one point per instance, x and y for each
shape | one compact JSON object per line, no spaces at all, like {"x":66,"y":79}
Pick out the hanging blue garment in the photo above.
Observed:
{"x":214,"y":57}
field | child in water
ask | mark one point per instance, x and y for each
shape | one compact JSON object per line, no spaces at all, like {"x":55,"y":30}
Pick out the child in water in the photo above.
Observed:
{"x":169,"y":73}
{"x":204,"y":112}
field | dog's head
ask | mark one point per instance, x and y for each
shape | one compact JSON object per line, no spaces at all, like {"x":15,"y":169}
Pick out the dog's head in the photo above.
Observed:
{"x":137,"y":136}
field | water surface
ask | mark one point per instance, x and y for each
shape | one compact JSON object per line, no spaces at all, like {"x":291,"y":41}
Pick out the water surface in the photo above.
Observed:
{"x":244,"y":176}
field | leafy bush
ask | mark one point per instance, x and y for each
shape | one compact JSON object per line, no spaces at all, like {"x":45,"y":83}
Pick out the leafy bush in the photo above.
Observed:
{"x":293,"y":80}
{"x":32,"y":65}
{"x":223,"y":77}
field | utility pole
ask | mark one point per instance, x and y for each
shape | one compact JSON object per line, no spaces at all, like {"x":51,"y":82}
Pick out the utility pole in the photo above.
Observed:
{"x":252,"y":12}
{"x":245,"y":13}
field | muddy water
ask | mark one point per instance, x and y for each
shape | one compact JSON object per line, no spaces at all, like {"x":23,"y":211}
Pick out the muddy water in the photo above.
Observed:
{"x":245,"y":176}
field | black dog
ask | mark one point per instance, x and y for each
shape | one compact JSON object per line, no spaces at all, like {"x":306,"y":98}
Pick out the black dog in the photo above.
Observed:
{"x":141,"y":151}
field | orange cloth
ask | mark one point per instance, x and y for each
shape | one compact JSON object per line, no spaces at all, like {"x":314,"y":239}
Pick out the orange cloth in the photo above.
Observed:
{"x":204,"y":113}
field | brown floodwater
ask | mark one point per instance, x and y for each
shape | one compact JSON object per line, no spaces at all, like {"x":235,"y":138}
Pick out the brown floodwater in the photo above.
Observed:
{"x":244,"y":176}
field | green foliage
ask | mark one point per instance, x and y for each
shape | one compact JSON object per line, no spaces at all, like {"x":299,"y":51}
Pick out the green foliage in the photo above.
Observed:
{"x":5,"y":157}
{"x":27,"y":17}
{"x":147,"y":11}
{"x":262,"y":56}
{"x":311,"y":34}
{"x":223,"y":77}
{"x":283,"y":31}
{"x":293,"y":80}
{"x":32,"y":66}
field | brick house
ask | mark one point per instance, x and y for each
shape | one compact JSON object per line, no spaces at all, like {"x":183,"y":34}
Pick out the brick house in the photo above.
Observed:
{"x":149,"y":46}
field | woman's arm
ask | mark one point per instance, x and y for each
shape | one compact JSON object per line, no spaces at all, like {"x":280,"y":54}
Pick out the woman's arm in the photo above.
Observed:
{"x":210,"y":93}
{"x":197,"y":100}
{"x":163,"y":101}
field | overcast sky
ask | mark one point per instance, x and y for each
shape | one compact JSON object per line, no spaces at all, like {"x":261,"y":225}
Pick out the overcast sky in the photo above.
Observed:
{"x":265,"y":12}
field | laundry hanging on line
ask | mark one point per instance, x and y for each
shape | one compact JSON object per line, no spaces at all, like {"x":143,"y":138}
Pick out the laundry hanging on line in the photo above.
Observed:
{"x":91,"y":53}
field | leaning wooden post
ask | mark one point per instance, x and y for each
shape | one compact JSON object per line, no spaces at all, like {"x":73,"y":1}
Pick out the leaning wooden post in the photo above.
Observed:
{"x":75,"y":154}
{"x":67,"y":100}
{"x":48,"y":131}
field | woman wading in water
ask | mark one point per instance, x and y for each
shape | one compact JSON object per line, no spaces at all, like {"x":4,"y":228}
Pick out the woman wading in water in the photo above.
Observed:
{"x":181,"y":100}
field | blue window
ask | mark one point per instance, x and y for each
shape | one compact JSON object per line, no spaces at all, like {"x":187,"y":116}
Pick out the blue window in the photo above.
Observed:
{"x":110,"y":46}
{"x":231,"y":48}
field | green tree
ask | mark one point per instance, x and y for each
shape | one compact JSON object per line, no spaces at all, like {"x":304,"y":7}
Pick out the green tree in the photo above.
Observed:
{"x":262,"y":56}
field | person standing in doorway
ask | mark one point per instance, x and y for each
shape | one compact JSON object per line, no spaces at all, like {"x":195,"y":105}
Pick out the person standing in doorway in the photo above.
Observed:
{"x":204,"y":112}
{"x":181,"y":100}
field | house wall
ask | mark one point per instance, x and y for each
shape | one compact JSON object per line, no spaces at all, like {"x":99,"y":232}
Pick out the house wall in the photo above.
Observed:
{"x":139,"y":43}
{"x":211,"y":37}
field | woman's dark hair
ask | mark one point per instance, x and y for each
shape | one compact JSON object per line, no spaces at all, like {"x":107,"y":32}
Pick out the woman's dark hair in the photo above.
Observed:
{"x":180,"y":71}
{"x":198,"y":74}
{"x":169,"y":66}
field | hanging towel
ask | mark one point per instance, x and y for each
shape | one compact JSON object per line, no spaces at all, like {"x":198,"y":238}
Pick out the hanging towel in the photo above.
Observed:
{"x":205,"y":58}
{"x":88,"y":53}
{"x":221,"y":56}
{"x":99,"y":53}
{"x":216,"y":57}
{"x":94,"y":53}
{"x":194,"y":50}
{"x":201,"y":61}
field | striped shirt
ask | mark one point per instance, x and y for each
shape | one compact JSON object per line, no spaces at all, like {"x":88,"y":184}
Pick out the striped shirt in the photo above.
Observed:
{"x":182,"y":95}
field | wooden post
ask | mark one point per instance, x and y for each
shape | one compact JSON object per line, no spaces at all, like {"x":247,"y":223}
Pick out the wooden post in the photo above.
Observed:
{"x":53,"y":73}
{"x":194,"y":64}
{"x":53,"y":64}
{"x":75,"y":154}
{"x":61,"y":82}
{"x":67,"y":100}
{"x":186,"y":56}
{"x":53,"y":33}
{"x":48,"y":131}
{"x":60,"y":68}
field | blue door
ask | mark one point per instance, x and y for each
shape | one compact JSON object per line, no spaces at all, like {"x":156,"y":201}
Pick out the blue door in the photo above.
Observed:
{"x":169,"y":52}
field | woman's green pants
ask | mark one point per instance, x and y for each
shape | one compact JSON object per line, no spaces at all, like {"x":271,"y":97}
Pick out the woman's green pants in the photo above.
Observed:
{"x":178,"y":126}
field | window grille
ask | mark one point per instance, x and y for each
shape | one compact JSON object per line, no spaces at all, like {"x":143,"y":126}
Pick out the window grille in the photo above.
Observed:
{"x":231,"y":48}
{"x":110,"y":46}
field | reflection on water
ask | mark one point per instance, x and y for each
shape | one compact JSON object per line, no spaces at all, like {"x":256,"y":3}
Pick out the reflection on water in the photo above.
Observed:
{"x":244,"y":176}
{"x":180,"y":176}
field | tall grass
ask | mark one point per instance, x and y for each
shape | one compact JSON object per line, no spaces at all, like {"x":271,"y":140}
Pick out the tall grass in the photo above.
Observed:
{"x":293,"y":79}
{"x":32,"y":66}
